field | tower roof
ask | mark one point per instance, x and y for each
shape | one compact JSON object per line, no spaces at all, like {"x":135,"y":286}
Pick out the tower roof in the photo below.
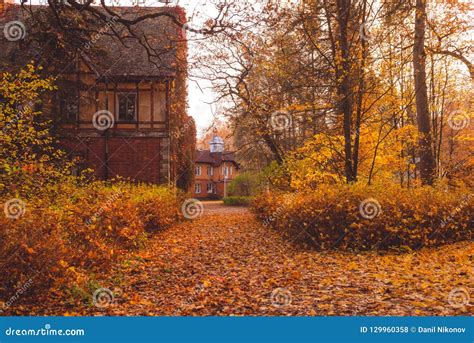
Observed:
{"x":216,"y":140}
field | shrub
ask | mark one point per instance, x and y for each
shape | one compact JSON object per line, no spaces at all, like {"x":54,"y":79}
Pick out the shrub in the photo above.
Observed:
{"x":238,"y":201}
{"x":70,"y":232}
{"x":245,"y":184}
{"x":364,"y":218}
{"x":157,"y":206}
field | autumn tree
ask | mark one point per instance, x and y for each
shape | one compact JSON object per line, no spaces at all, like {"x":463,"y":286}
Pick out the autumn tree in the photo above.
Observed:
{"x":29,"y":159}
{"x":427,"y":162}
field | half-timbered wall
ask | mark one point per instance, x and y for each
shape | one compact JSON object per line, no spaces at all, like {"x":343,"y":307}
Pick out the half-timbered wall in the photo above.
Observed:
{"x":137,"y":149}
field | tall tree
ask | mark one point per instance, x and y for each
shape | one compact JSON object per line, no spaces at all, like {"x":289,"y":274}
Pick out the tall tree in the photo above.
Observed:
{"x":427,"y":160}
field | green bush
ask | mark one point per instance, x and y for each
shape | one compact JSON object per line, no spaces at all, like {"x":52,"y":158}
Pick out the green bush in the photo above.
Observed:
{"x":245,"y":184}
{"x":238,"y":201}
{"x":365,"y":218}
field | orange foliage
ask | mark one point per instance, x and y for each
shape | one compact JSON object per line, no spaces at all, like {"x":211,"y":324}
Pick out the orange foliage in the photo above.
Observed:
{"x":367,"y":218}
{"x":71,"y":231}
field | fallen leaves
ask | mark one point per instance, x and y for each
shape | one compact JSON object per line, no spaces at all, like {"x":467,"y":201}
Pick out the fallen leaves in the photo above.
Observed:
{"x":229,"y":264}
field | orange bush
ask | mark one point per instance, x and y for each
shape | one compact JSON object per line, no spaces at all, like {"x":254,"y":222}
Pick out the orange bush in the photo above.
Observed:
{"x":71,"y":230}
{"x":366,"y":218}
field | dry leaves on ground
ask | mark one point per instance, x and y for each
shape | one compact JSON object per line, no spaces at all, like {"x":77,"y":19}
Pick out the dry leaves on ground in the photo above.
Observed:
{"x":229,"y":264}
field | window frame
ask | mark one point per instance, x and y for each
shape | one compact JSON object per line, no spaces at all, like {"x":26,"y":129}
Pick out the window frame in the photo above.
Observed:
{"x":127,"y":94}
{"x":210,"y":190}
{"x":197,"y":188}
{"x":198,"y":170}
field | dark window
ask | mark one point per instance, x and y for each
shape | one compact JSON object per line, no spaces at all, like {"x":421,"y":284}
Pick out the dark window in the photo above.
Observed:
{"x":211,"y":188}
{"x":69,"y":105}
{"x":127,"y":107}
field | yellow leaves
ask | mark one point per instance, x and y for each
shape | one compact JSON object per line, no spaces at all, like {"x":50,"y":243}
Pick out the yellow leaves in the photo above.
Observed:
{"x":352,"y":266}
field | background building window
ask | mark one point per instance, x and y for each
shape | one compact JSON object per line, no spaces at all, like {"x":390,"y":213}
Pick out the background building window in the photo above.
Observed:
{"x":210,"y":188}
{"x":198,"y":170}
{"x":197,"y":188}
{"x":127,"y":105}
{"x":210,"y":171}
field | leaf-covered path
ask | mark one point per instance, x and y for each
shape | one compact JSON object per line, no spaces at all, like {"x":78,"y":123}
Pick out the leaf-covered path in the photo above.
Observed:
{"x":226,"y":263}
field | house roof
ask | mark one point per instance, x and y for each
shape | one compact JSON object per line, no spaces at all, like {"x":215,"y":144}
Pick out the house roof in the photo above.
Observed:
{"x":215,"y":158}
{"x":112,"y":58}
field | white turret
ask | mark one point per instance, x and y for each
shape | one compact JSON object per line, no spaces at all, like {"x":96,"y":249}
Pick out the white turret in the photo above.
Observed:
{"x":216,"y":144}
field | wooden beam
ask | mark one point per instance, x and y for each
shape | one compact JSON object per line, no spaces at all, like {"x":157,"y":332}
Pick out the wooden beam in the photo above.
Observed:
{"x":152,"y":104}
{"x":137,"y":107}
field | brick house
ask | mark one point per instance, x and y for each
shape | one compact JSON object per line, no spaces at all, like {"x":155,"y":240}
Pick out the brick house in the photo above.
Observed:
{"x":214,"y":170}
{"x":116,"y":111}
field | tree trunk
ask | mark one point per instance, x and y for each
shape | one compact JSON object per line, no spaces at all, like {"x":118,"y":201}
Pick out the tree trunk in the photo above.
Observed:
{"x":427,"y":162}
{"x":344,"y":87}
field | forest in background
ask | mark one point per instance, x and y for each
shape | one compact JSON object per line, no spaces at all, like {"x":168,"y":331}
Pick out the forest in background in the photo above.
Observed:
{"x":345,"y":91}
